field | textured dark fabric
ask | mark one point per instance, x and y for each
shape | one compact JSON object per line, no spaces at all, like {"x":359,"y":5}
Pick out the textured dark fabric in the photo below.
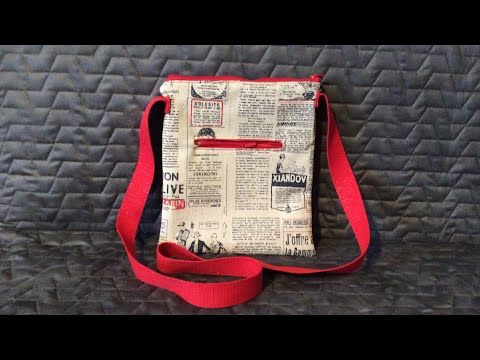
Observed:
{"x":408,"y":116}
{"x":88,"y":273}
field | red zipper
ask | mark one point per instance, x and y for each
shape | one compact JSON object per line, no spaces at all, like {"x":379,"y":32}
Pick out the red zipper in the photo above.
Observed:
{"x":238,"y":143}
{"x":312,"y":78}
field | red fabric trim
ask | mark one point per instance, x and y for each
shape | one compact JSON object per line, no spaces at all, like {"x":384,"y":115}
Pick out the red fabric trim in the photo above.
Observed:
{"x":312,"y":78}
{"x":174,"y":259}
{"x":168,"y":104}
{"x":317,"y":98}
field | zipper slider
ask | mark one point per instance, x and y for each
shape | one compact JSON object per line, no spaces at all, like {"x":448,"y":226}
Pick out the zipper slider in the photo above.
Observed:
{"x":269,"y":144}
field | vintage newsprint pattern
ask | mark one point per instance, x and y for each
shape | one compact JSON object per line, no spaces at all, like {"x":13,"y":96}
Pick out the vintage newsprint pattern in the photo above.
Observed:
{"x":244,"y":201}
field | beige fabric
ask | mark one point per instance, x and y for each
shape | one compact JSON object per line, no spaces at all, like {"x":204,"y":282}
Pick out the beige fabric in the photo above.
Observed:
{"x":244,"y":201}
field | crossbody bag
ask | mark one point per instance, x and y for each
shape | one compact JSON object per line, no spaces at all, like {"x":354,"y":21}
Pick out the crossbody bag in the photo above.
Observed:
{"x":237,"y":176}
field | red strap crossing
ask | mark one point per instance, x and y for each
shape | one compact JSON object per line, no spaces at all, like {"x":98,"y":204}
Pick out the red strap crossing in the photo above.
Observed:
{"x":174,"y":259}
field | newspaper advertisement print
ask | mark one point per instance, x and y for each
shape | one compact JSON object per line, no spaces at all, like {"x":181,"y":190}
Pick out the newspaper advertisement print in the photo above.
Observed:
{"x":239,"y":200}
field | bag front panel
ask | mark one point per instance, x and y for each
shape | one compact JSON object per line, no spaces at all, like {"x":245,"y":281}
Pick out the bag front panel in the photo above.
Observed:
{"x":231,"y":196}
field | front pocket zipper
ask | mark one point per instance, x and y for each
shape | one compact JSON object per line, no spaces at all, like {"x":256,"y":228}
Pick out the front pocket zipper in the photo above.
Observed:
{"x":238,"y":143}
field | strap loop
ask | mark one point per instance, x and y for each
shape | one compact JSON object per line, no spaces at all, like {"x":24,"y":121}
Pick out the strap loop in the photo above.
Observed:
{"x":174,"y":259}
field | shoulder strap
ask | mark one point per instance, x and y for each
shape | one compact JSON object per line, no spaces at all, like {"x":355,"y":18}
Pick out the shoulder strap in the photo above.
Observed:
{"x":174,"y":259}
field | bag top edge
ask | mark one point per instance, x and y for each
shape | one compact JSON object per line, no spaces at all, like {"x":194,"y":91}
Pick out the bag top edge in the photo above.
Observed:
{"x":313,"y":78}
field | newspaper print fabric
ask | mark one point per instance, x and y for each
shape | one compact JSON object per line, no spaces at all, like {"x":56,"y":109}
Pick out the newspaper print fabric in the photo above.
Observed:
{"x":239,"y":200}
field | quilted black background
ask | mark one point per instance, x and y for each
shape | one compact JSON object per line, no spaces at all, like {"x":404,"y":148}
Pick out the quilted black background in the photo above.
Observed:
{"x":409,"y":120}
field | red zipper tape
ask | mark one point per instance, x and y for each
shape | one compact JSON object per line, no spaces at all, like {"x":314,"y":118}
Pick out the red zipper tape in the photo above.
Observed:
{"x":312,"y":78}
{"x":238,"y":143}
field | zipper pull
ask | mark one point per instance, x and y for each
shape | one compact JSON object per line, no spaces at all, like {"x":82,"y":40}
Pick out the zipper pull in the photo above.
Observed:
{"x":269,"y":145}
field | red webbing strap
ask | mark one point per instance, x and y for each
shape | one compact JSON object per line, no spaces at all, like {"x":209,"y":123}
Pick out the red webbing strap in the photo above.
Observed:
{"x":174,"y":259}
